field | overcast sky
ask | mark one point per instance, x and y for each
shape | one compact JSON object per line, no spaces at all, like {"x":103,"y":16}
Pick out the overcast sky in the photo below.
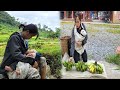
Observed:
{"x":49,"y":18}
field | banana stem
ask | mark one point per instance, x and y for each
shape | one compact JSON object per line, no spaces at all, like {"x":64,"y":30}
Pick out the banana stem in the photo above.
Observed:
{"x":95,"y":62}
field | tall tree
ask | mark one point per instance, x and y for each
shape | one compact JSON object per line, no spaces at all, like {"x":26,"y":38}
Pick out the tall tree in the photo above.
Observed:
{"x":6,"y":18}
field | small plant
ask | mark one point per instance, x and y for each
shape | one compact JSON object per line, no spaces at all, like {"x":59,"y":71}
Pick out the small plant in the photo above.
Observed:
{"x":115,"y":58}
{"x":54,"y":61}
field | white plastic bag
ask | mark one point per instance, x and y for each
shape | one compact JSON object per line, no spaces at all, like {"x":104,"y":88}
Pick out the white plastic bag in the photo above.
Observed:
{"x":65,"y":57}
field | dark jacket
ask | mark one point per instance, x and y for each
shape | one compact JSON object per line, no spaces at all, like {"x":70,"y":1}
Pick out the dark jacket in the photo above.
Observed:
{"x":72,"y":41}
{"x":15,"y":50}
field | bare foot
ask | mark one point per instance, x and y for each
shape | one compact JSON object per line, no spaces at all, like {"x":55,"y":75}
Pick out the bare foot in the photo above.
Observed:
{"x":7,"y":68}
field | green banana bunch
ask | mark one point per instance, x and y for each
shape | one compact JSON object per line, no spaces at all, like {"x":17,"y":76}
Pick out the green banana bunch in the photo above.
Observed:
{"x":99,"y":69}
{"x":95,"y":68}
{"x":68,"y":65}
{"x":81,"y":66}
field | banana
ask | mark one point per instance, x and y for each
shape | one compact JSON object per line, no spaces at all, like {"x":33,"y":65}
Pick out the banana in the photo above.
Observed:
{"x":95,"y":68}
{"x":81,"y":66}
{"x":92,"y":68}
{"x":68,"y":65}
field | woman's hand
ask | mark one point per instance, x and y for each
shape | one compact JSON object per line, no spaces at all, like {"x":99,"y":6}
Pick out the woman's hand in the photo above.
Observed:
{"x":71,"y":59}
{"x":35,"y":65}
{"x":31,"y":55}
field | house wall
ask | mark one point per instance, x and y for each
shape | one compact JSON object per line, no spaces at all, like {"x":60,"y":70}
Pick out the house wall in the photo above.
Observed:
{"x":116,"y":17}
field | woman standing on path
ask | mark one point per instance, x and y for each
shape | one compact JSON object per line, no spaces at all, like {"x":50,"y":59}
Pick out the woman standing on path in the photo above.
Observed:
{"x":78,"y":40}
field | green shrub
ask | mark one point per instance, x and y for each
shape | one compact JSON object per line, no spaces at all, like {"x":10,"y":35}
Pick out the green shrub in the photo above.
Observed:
{"x":115,"y":58}
{"x":51,"y":50}
{"x":54,"y":61}
{"x":113,"y":31}
{"x":2,"y":49}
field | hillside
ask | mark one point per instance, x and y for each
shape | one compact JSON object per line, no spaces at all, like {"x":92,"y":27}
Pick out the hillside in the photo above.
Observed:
{"x":6,"y":18}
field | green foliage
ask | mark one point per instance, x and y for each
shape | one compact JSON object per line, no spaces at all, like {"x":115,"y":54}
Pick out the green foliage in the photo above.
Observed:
{"x":7,"y":29}
{"x":92,"y":30}
{"x":105,"y":25}
{"x":51,"y":50}
{"x":6,"y":18}
{"x":54,"y":61}
{"x":3,"y":38}
{"x":47,"y":32}
{"x":115,"y":58}
{"x":2,"y":49}
{"x":1,"y":59}
{"x":113,"y":31}
{"x":81,"y":66}
{"x":47,"y":44}
{"x":50,"y":34}
{"x":68,"y":65}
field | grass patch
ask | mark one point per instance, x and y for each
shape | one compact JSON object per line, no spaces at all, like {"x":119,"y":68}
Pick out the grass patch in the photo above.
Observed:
{"x":115,"y":58}
{"x":67,"y":22}
{"x":2,"y":49}
{"x":51,"y":50}
{"x":106,"y":25}
{"x":4,"y":38}
{"x":1,"y":59}
{"x":113,"y":31}
{"x":48,"y":47}
{"x":92,"y":30}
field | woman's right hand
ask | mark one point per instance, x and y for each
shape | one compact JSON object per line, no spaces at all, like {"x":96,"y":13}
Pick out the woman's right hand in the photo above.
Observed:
{"x":35,"y":65}
{"x":71,"y":59}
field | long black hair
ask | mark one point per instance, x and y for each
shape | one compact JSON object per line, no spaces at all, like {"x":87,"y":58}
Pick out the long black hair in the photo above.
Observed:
{"x":79,"y":15}
{"x":31,"y":27}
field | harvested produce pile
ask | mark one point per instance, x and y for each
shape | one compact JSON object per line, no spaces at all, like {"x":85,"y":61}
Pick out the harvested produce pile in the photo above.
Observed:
{"x":93,"y":67}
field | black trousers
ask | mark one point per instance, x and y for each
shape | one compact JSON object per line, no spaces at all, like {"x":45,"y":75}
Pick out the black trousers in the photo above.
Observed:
{"x":77,"y":56}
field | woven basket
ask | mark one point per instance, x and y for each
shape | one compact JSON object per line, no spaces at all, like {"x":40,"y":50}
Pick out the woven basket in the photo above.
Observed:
{"x":64,"y":44}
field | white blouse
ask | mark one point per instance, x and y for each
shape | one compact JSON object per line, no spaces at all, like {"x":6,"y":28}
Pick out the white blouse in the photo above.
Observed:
{"x":79,"y":38}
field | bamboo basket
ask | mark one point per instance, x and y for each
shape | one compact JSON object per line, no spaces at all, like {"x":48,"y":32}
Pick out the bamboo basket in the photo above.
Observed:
{"x":64,"y":44}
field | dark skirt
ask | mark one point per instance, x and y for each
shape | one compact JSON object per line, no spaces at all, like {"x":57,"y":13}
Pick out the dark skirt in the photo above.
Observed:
{"x":78,"y":57}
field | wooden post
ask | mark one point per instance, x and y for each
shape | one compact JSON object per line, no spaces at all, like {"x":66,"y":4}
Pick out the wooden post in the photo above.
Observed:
{"x":111,"y":16}
{"x":89,"y":17}
{"x":83,"y":15}
{"x":72,"y":15}
{"x":64,"y":14}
